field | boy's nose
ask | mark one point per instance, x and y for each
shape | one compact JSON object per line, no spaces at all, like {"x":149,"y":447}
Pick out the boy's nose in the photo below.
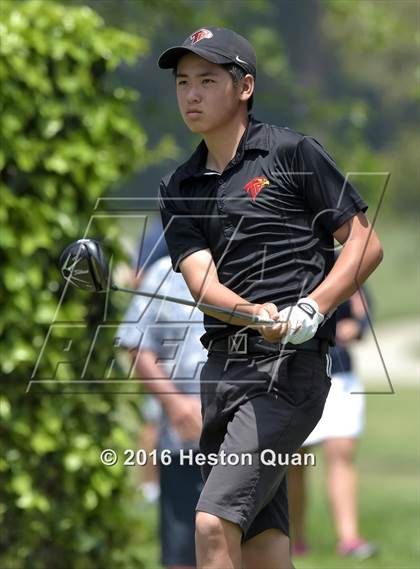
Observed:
{"x":193,"y":96}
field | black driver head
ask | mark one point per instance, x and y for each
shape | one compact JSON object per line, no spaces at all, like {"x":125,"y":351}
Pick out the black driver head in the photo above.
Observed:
{"x":83,"y":265}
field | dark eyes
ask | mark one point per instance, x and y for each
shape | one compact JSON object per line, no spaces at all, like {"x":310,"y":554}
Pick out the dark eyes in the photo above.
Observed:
{"x":183,"y":82}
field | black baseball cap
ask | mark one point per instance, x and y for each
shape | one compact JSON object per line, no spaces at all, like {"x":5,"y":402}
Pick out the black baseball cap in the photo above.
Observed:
{"x":217,"y":45}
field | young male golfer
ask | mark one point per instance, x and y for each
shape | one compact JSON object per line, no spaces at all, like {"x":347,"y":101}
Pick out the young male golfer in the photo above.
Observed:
{"x":250,"y":221}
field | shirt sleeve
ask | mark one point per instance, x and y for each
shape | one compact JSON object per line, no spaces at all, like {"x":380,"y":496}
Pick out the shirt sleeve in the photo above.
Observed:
{"x":329,"y":194}
{"x":182,"y":233}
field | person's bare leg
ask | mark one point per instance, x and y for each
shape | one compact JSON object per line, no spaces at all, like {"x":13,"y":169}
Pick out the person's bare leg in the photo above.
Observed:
{"x":217,"y":542}
{"x":296,"y":487}
{"x":267,"y":550}
{"x":342,"y":486}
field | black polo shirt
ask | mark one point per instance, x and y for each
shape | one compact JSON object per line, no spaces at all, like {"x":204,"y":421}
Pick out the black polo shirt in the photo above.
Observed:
{"x":268,"y":218}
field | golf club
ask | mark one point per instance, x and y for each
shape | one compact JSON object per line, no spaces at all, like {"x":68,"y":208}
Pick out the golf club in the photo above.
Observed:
{"x":83,"y":265}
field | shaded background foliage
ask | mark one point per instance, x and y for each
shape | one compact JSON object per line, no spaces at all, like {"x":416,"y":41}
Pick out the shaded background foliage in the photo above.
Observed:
{"x":67,"y":136}
{"x":86,"y":114}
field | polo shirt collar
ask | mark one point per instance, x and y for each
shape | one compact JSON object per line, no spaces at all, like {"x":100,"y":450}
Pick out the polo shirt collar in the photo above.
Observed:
{"x":255,"y":137}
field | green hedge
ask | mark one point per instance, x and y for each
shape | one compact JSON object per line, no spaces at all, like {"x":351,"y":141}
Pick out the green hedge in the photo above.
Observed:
{"x":67,"y":135}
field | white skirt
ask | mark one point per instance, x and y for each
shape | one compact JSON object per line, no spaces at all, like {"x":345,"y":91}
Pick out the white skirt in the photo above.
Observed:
{"x":344,"y":410}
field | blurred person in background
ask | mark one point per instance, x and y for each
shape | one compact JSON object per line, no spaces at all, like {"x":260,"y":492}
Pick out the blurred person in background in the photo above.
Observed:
{"x":338,"y":432}
{"x":164,"y":340}
{"x":151,"y":247}
{"x":151,"y":413}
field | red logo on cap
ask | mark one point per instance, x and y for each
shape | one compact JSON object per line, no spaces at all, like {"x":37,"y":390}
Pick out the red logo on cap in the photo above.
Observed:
{"x":200,"y":35}
{"x":254,"y":186}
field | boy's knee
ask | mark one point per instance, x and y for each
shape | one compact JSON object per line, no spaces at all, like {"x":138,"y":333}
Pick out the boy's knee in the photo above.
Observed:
{"x":210,"y":528}
{"x":207,"y":525}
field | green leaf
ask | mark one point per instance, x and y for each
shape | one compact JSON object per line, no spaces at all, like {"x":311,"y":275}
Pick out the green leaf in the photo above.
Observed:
{"x":57,"y":164}
{"x":4,"y":407}
{"x":73,"y":461}
{"x":22,"y":484}
{"x":42,"y":442}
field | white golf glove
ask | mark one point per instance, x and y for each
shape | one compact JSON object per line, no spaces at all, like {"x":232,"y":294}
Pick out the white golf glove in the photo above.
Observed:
{"x":304,"y":318}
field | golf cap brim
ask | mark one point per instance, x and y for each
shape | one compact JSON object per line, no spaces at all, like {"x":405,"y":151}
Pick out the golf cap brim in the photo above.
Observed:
{"x":169,"y":58}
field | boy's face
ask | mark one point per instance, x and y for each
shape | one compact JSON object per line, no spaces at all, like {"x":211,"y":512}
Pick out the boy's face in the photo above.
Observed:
{"x":207,"y":97}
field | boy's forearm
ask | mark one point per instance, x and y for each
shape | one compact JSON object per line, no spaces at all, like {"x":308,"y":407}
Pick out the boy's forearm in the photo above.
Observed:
{"x":354,"y":265}
{"x":200,"y":274}
{"x":218,"y":294}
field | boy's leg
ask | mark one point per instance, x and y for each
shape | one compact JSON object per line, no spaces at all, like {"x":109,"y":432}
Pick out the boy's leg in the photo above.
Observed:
{"x":267,"y":550}
{"x":218,"y":542}
{"x":245,"y":415}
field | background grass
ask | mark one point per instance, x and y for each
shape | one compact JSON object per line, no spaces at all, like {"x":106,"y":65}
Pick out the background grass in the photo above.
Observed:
{"x":388,"y":461}
{"x":396,"y":282}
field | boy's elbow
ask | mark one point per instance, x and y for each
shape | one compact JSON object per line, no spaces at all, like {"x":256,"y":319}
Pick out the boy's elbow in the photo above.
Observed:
{"x":378,"y":252}
{"x":195,"y":293}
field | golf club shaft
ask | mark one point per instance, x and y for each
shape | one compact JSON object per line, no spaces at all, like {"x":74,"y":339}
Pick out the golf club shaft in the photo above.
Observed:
{"x":200,"y":305}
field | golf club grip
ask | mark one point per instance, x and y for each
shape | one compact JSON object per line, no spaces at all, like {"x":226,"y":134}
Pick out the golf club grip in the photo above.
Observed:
{"x":200,"y":305}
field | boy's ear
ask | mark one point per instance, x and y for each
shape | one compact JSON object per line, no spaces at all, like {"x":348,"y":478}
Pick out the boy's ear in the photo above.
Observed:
{"x":247,"y":88}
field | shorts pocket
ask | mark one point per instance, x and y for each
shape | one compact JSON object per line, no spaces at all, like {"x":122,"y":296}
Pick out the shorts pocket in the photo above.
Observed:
{"x":301,"y":371}
{"x":322,"y":372}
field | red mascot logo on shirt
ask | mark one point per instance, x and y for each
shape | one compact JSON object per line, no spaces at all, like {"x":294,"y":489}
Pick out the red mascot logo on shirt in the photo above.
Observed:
{"x":200,"y":35}
{"x":254,"y":186}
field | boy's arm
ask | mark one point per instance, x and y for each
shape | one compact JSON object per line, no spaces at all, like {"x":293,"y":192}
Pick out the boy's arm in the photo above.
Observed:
{"x":200,"y":274}
{"x":361,"y":254}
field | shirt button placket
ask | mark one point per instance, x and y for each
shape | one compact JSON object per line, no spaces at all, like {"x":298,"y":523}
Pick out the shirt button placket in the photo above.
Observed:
{"x":228,"y":229}
{"x":220,"y":196}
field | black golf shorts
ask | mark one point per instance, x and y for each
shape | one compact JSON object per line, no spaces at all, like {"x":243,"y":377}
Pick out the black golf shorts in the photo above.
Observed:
{"x":250,"y":404}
